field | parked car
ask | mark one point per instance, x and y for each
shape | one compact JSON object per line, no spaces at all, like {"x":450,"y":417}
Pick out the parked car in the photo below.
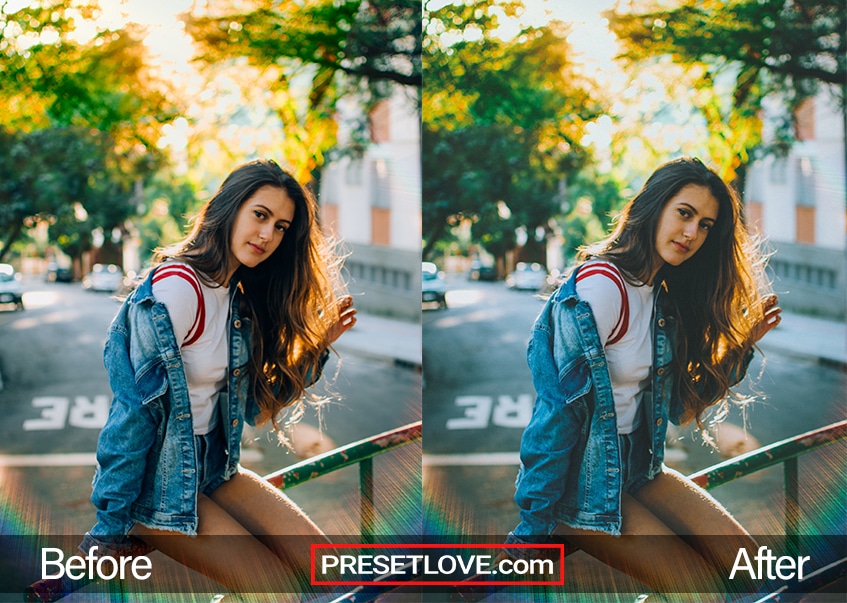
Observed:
{"x":530,"y":277}
{"x":482,"y":272}
{"x":433,"y":285}
{"x":11,"y":288}
{"x":58,"y":274}
{"x":103,"y":277}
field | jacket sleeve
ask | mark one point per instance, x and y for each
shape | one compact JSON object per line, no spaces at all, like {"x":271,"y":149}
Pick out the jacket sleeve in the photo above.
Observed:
{"x":739,"y":371}
{"x":124,"y":442}
{"x":314,"y":373}
{"x":547,"y":444}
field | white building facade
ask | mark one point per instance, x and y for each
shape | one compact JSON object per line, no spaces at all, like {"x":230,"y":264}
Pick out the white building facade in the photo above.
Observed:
{"x":797,"y":202}
{"x":372,"y":203}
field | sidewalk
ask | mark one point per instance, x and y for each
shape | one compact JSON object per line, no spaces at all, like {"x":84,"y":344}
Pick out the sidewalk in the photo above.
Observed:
{"x":820,"y":339}
{"x":389,"y":339}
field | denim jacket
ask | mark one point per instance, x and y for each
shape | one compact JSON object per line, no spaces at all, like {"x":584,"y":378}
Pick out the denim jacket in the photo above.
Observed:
{"x":145,"y":454}
{"x":570,"y":468}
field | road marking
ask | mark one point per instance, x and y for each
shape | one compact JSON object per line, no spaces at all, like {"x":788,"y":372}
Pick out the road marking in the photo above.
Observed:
{"x":478,"y":459}
{"x":83,"y":459}
{"x":481,"y":411}
{"x":57,"y":412}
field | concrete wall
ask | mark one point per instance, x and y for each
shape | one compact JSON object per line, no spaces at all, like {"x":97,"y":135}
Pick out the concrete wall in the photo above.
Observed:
{"x":385,"y":281}
{"x":810,"y":279}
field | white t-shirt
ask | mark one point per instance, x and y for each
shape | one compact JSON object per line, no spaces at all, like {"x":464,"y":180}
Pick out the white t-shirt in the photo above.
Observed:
{"x":200,"y":316}
{"x":623,"y":313}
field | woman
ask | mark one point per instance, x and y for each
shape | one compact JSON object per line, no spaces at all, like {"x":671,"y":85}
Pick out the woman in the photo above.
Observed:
{"x":656,"y":323}
{"x":233,"y":323}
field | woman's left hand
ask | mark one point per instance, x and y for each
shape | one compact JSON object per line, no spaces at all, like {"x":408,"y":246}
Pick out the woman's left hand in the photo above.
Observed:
{"x":346,"y":319}
{"x":771,"y":317}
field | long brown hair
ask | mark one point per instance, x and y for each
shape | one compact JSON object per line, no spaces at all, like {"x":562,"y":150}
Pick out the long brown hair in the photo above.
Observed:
{"x":718,"y":294}
{"x":291,"y":296}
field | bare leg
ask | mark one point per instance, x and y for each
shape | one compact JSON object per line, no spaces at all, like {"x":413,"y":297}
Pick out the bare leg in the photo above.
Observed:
{"x":700,"y":520}
{"x":649,"y":551}
{"x":251,"y":512}
{"x":268,"y":514}
{"x":226,"y":552}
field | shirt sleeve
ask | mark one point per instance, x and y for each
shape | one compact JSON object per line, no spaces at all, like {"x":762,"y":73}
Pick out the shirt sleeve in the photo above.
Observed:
{"x":601,"y":286}
{"x":178,"y":288}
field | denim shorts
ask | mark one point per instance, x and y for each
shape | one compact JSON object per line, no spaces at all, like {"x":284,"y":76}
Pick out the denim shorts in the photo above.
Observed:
{"x":211,"y":459}
{"x":632,"y":475}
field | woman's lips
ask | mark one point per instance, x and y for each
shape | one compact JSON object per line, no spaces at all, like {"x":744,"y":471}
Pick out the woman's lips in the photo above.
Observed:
{"x":680,"y":247}
{"x":256,"y":248}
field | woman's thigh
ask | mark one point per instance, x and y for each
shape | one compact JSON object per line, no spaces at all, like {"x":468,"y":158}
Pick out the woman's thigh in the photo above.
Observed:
{"x":649,"y":551}
{"x":693,"y":513}
{"x":270,"y":516}
{"x":225,"y":551}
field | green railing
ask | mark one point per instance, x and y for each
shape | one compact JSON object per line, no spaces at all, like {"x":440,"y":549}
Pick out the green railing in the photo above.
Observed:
{"x":785,"y":451}
{"x":361,"y":452}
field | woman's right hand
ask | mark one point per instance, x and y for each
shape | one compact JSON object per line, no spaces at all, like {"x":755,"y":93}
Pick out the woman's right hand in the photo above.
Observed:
{"x":346,"y":319}
{"x":771,"y":317}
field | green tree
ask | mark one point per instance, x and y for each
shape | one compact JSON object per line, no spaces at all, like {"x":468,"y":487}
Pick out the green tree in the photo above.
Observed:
{"x":47,"y":174}
{"x":503,"y":122}
{"x":329,"y":47}
{"x":765,"y":46}
{"x":83,"y":119}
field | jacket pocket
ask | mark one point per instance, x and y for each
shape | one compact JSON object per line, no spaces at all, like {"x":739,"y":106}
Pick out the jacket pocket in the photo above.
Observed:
{"x":151,"y":382}
{"x":575,"y":379}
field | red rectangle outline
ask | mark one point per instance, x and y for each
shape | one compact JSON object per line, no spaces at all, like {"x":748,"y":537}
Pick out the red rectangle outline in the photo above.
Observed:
{"x":468,"y":583}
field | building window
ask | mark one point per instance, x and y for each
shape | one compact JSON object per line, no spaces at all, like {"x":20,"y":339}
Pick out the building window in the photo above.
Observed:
{"x":353,"y":173}
{"x":805,"y":190}
{"x":779,"y":170}
{"x":380,"y":189}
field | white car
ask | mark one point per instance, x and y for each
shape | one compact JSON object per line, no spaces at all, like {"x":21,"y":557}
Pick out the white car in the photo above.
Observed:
{"x":11,"y":288}
{"x":433,"y":285}
{"x":103,"y":277}
{"x":531,"y":277}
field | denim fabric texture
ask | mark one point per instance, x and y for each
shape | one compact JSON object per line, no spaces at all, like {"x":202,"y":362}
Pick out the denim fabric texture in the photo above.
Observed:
{"x":570,"y":452}
{"x":147,"y":465}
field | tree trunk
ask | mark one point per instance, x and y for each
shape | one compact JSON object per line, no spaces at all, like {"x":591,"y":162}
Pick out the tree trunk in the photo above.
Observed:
{"x":13,"y":236}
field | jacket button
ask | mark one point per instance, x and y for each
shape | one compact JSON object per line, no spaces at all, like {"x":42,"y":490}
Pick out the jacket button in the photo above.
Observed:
{"x":659,"y":422}
{"x":236,"y":372}
{"x":661,"y":322}
{"x":237,"y":324}
{"x":660,"y":371}
{"x":235,"y":422}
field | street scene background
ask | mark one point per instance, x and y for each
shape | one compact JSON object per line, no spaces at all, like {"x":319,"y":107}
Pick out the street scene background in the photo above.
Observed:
{"x":120,"y":118}
{"x":540,"y":121}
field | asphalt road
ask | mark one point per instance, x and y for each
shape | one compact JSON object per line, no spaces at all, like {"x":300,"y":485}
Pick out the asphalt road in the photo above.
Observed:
{"x":478,"y":397}
{"x":55,"y":398}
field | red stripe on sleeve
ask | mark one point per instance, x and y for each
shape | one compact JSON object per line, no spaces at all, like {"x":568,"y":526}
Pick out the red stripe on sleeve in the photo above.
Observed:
{"x":611,"y":272}
{"x":185,"y":273}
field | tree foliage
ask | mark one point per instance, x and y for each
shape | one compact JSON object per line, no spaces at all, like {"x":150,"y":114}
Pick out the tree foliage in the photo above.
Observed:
{"x":330,"y":47}
{"x":81,"y":122}
{"x":503,"y":120}
{"x":764,"y":46}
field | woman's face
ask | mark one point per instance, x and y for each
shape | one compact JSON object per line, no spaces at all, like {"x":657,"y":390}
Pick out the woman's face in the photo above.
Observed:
{"x":684,"y":224}
{"x":259,"y":226}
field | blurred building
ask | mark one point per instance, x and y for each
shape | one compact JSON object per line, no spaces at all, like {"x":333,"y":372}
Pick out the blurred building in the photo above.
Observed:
{"x":371,"y":201}
{"x":797,"y":201}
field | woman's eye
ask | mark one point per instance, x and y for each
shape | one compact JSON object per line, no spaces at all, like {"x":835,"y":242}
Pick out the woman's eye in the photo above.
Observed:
{"x":705,"y":226}
{"x":684,"y":213}
{"x":281,"y":227}
{"x":259,"y":214}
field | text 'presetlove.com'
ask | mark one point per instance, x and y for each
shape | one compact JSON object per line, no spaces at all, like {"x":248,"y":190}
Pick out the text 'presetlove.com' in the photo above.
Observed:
{"x":433,"y":565}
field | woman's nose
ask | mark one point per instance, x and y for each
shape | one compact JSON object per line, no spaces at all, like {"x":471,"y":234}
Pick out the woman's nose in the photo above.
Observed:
{"x":691,"y":231}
